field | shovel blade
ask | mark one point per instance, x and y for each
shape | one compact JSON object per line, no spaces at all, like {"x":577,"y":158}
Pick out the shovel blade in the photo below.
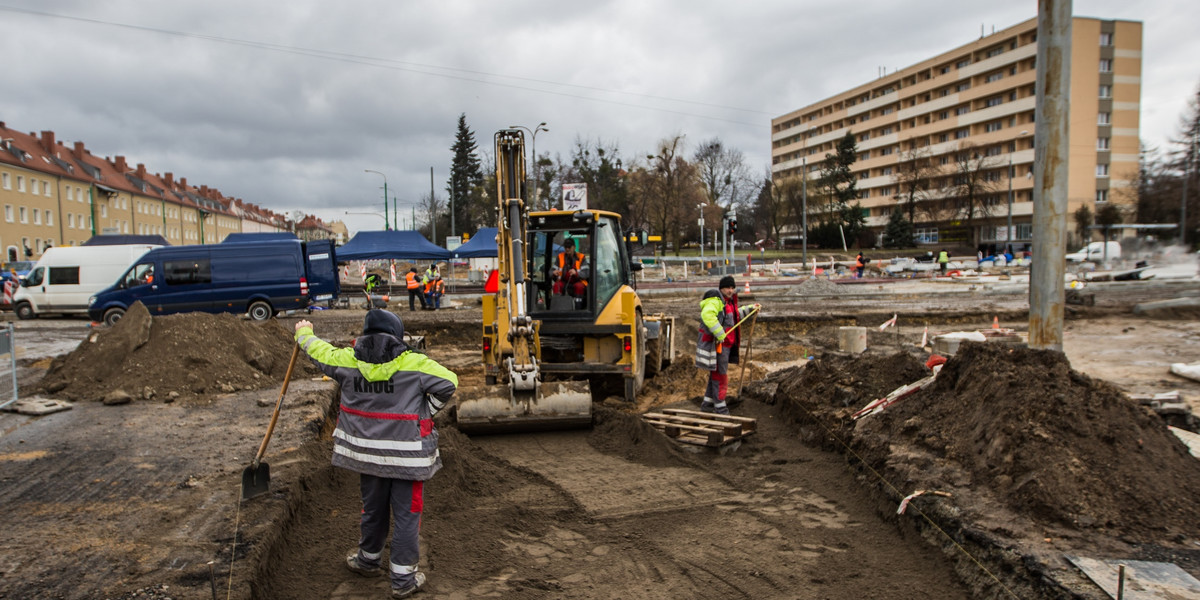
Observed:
{"x":256,"y":480}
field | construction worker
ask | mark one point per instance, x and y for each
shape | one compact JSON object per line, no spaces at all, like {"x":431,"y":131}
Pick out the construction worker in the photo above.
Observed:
{"x":718,"y":345}
{"x":371,"y":282}
{"x":427,"y":290}
{"x":860,"y":263}
{"x":429,"y":273}
{"x":943,"y":259}
{"x":414,"y":288}
{"x":569,"y":261}
{"x":436,"y":291}
{"x":385,"y":432}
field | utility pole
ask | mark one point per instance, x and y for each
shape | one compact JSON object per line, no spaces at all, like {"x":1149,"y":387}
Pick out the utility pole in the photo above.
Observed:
{"x":1188,"y":156}
{"x":1051,"y":174}
{"x":433,"y":209}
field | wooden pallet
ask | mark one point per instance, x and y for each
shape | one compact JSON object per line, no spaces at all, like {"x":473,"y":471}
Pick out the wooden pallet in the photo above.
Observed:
{"x":701,"y":428}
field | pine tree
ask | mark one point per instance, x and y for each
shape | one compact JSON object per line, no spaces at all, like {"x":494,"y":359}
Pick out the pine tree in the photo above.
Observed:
{"x":465,"y":186}
{"x":899,"y":231}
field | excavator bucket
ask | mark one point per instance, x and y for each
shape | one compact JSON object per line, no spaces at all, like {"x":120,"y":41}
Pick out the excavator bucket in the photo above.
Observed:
{"x":556,"y":405}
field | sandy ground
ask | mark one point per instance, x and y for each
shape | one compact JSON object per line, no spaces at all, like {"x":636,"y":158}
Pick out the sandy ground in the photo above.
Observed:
{"x":104,"y":501}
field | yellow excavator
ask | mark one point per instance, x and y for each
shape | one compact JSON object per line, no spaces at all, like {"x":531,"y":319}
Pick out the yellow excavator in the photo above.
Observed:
{"x":565,"y":316}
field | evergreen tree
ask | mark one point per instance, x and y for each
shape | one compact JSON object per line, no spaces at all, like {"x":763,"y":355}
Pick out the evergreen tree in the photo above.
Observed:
{"x":899,"y":231}
{"x":465,"y":187}
{"x":836,"y":180}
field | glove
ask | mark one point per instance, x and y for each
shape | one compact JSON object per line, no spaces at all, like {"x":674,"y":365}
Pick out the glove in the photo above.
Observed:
{"x":720,"y":338}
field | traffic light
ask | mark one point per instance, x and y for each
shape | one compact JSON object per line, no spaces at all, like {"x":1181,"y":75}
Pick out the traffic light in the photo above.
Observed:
{"x":732,"y":225}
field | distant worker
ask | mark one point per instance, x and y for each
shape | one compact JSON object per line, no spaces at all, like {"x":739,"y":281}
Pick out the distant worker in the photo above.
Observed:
{"x":943,"y":260}
{"x":429,"y":273}
{"x":385,"y":432}
{"x":860,"y":263}
{"x":437,"y":289}
{"x":718,"y":344}
{"x":371,"y":282}
{"x":414,"y":289}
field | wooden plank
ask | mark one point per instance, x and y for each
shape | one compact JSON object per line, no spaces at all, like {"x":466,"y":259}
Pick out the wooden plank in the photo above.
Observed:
{"x":711,"y":421}
{"x":684,"y":411}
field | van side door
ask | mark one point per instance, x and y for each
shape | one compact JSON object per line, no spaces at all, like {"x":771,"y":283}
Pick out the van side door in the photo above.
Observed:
{"x":62,"y":289}
{"x":320,"y":267}
{"x":140,"y":284}
{"x":187,"y":285}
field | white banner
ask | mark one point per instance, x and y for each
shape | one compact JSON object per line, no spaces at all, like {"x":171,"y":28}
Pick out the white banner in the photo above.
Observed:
{"x":574,"y":196}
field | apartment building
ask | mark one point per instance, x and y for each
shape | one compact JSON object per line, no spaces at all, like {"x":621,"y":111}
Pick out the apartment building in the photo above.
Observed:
{"x":52,"y":194}
{"x":970,"y":112}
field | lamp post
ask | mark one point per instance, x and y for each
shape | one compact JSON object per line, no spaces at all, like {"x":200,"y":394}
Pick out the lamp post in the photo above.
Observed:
{"x":701,"y":207}
{"x":804,"y":197}
{"x":1188,"y":157}
{"x":385,"y":211}
{"x":533,"y":150}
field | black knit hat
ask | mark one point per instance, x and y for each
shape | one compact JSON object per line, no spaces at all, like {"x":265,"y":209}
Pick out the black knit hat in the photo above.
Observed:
{"x":727,"y":282}
{"x":382,"y":321}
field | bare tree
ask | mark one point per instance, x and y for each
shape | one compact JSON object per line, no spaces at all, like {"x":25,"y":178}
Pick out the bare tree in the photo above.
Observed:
{"x":971,"y":189}
{"x":770,"y":211}
{"x":915,"y":176}
{"x":668,"y":187}
{"x":725,"y":177}
{"x":431,"y":208}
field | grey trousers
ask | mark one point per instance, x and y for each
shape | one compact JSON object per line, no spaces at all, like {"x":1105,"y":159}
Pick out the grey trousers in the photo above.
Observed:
{"x":718,"y":380}
{"x":403,"y":501}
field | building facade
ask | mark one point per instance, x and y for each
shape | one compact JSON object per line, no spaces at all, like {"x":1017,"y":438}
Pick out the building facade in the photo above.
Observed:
{"x":52,"y":194}
{"x":954,"y":134}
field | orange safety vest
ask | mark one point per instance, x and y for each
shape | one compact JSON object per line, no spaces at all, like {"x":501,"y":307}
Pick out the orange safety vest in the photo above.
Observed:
{"x":562,"y":259}
{"x":411,"y":280}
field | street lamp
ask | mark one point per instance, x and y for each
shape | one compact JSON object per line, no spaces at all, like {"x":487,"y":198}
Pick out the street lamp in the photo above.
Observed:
{"x":385,"y":212}
{"x":1188,"y":157}
{"x":384,"y":217}
{"x":1008,"y":233}
{"x":533,"y":150}
{"x":701,"y":207}
{"x":804,"y":196}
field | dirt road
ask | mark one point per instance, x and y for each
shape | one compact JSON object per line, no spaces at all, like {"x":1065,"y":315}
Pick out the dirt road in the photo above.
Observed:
{"x":103,"y":501}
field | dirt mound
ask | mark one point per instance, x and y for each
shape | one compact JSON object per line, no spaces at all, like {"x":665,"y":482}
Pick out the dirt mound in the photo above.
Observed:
{"x":1023,"y":428}
{"x":815,"y":287}
{"x":475,"y":475}
{"x":629,"y":437}
{"x":175,"y":357}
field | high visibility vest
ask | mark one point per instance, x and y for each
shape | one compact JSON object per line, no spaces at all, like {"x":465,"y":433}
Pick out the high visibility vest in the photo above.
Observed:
{"x":411,"y":280}
{"x":562,"y":259}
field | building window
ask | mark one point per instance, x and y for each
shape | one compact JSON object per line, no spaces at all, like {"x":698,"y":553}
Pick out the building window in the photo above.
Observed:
{"x":69,"y":196}
{"x":24,"y":214}
{"x":1101,"y":195}
{"x":49,"y":218}
{"x":1106,"y":65}
{"x":962,"y":63}
{"x":103,"y":211}
{"x":886,"y":150}
{"x":79,"y":194}
{"x":1106,"y":91}
{"x":46,"y":188}
{"x":1101,"y":170}
{"x":33,"y":186}
{"x":994,"y":126}
{"x":926,"y":235}
{"x":37,"y":217}
{"x":962,"y":133}
{"x":1106,"y":39}
{"x":995,"y":101}
{"x":1104,"y":119}
{"x":994,"y":77}
{"x":70,"y":221}
{"x":8,"y":213}
{"x":7,"y":181}
{"x":997,"y":51}
{"x":962,"y":110}
{"x":1102,"y":143}
{"x":20,"y":183}
{"x":1024,"y":231}
{"x":886,"y":171}
{"x":962,"y":86}
{"x":994,"y":151}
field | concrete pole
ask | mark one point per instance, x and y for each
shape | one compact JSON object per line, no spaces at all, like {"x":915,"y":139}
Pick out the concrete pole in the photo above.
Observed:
{"x":1008,"y":233}
{"x":433,"y":205}
{"x":1188,"y":156}
{"x":1051,"y":174}
{"x":804,"y":202}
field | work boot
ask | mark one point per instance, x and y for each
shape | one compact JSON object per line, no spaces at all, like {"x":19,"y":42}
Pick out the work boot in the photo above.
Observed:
{"x":356,"y":566}
{"x":418,"y":583}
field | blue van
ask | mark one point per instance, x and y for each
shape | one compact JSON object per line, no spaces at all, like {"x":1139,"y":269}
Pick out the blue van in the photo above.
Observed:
{"x":256,"y":278}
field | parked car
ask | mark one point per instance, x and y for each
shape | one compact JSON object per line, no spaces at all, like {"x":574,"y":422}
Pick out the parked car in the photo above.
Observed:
{"x":1095,"y":251}
{"x":20,"y":267}
{"x":66,"y":276}
{"x":256,"y":278}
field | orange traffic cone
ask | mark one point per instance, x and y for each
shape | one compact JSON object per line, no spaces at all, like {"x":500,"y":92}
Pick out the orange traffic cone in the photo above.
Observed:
{"x":747,"y":290}
{"x":995,"y":322}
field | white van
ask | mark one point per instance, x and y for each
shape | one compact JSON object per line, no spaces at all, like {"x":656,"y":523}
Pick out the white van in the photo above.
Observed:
{"x":66,"y":276}
{"x":1094,"y":252}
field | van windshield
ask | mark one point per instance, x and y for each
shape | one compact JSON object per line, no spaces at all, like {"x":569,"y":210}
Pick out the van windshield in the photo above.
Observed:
{"x":142,"y":274}
{"x":34,"y":277}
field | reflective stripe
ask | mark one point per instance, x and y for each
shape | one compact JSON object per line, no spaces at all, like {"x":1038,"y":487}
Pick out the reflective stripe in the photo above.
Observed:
{"x":370,"y":555}
{"x":403,"y":569}
{"x":387,"y":461}
{"x":379,"y":415}
{"x":378,"y":444}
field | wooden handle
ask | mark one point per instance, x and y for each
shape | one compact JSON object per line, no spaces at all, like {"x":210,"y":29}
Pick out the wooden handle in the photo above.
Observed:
{"x":262,"y":448}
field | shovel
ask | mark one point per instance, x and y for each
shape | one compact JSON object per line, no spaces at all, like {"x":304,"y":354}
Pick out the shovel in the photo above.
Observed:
{"x":256,"y":479}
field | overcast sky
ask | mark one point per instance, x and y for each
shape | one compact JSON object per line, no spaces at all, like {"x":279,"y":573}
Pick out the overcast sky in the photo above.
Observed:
{"x":284,"y":104}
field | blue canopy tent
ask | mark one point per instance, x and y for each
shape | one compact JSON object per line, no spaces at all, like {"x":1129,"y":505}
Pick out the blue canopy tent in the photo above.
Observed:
{"x":384,"y":245}
{"x":481,"y":245}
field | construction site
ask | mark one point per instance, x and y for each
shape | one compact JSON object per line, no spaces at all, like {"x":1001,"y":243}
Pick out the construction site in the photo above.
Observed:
{"x":1014,"y":473}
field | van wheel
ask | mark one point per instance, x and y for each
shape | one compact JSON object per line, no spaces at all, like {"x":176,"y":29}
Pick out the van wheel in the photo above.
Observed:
{"x":260,"y":311}
{"x":112,"y":315}
{"x":25,"y":311}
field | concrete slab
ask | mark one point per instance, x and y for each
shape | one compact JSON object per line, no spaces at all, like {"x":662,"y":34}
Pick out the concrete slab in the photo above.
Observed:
{"x":38,"y":406}
{"x":1143,"y":580}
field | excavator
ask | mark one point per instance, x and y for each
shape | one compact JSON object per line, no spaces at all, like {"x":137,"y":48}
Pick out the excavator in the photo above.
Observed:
{"x":564,"y":316}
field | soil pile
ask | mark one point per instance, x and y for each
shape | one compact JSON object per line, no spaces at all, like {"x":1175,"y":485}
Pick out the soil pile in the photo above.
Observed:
{"x":175,"y":357}
{"x":1022,"y":427}
{"x":626,"y":435}
{"x":816,"y":287}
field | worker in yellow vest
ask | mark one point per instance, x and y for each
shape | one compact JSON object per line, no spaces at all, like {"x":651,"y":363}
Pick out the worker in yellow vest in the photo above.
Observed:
{"x":414,"y":289}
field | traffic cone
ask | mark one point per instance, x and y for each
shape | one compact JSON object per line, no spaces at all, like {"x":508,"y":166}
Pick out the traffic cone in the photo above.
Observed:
{"x":747,"y":290}
{"x":996,"y":322}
